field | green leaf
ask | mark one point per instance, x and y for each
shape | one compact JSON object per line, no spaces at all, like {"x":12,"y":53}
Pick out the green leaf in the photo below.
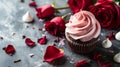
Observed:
{"x":117,"y":2}
{"x":53,"y":4}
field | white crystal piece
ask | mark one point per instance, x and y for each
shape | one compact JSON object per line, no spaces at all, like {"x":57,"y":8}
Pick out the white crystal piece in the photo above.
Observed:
{"x":117,"y":36}
{"x":27,"y":17}
{"x":117,"y":58}
{"x":107,"y":43}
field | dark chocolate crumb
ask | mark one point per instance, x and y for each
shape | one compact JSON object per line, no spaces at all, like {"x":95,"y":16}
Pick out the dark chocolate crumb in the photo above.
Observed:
{"x":22,"y":1}
{"x":4,"y":48}
{"x":23,"y":37}
{"x":40,"y":29}
{"x":27,"y":26}
{"x":17,"y":60}
{"x":33,"y":28}
{"x":1,"y":38}
{"x":54,"y":44}
{"x":31,"y":55}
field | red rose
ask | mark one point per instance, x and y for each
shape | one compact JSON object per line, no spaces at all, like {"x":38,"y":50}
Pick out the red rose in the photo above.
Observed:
{"x":45,"y":11}
{"x":107,"y":13}
{"x":56,"y":26}
{"x":77,"y":5}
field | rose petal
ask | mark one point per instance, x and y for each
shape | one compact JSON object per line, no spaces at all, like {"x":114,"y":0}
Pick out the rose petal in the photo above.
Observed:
{"x":81,"y":63}
{"x":42,"y":40}
{"x":29,"y":42}
{"x":52,"y":53}
{"x":106,"y":64}
{"x":111,"y":36}
{"x":10,"y":49}
{"x":32,"y":4}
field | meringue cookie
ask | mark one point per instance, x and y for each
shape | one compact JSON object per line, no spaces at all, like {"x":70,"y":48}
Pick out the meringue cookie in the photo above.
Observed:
{"x":107,"y":43}
{"x":27,"y":17}
{"x":117,"y":36}
{"x":117,"y":58}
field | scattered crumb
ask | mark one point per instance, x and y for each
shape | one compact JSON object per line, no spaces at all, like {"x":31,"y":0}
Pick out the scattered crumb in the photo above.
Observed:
{"x":23,"y":37}
{"x":54,"y":44}
{"x":13,"y":33}
{"x":4,"y":48}
{"x":33,"y":28}
{"x":27,"y":26}
{"x":11,"y":54}
{"x":56,"y":39}
{"x":40,"y":29}
{"x":31,"y":55}
{"x":17,"y":60}
{"x":1,"y":38}
{"x":22,"y":1}
{"x":43,"y":29}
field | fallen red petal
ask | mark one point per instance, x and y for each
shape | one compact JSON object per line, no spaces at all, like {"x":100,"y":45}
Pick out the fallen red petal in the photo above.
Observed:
{"x":29,"y":42}
{"x":10,"y":49}
{"x":96,"y":56}
{"x":111,"y":36}
{"x":42,"y":40}
{"x":32,"y":4}
{"x":81,"y":63}
{"x":52,"y":53}
{"x":106,"y":64}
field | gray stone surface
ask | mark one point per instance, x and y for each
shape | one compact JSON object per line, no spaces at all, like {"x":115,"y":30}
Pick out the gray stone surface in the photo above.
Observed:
{"x":11,"y":12}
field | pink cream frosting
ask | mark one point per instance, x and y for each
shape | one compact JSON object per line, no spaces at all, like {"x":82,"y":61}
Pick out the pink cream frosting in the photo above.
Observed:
{"x":84,"y":26}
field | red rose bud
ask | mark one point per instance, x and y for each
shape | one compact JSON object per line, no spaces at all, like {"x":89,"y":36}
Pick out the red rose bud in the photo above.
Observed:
{"x":10,"y":49}
{"x":77,"y":5}
{"x":42,"y":40}
{"x":81,"y":63}
{"x":32,"y":4}
{"x":29,"y":42}
{"x":45,"y":11}
{"x":52,"y":53}
{"x":107,"y":13}
{"x":56,"y":26}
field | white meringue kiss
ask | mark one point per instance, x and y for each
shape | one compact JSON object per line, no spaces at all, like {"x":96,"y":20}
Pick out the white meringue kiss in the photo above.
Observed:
{"x":27,"y":17}
{"x":117,"y":58}
{"x":107,"y":43}
{"x":117,"y":36}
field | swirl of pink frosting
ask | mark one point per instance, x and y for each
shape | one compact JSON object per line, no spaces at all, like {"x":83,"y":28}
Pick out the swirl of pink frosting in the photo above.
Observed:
{"x":84,"y":26}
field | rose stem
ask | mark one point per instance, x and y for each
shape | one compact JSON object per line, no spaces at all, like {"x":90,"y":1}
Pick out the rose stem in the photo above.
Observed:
{"x":60,"y":8}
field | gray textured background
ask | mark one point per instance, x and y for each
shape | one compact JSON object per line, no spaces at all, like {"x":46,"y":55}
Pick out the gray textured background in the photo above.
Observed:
{"x":11,"y":12}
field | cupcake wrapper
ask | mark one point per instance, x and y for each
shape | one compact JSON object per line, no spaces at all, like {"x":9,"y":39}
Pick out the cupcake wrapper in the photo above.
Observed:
{"x":82,"y":47}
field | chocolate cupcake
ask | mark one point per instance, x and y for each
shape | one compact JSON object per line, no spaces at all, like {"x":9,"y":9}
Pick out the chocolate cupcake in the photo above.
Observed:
{"x":82,"y":32}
